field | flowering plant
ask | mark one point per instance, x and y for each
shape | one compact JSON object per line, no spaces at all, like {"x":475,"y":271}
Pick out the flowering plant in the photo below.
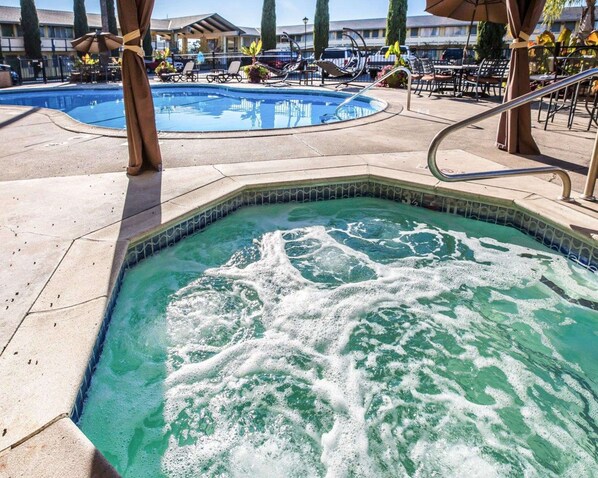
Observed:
{"x":165,"y":67}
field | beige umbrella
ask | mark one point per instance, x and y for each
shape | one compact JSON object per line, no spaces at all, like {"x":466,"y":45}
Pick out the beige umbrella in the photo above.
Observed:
{"x":469,"y":10}
{"x":98,"y":42}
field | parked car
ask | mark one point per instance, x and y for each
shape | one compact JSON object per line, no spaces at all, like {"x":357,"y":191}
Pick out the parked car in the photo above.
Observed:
{"x":378,"y":60}
{"x":278,"y":58}
{"x":455,"y":54}
{"x":16,"y":79}
{"x":339,"y":56}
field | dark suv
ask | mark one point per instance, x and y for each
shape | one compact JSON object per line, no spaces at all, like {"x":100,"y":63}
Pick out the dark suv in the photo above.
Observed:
{"x":455,"y":54}
{"x":276,"y":58}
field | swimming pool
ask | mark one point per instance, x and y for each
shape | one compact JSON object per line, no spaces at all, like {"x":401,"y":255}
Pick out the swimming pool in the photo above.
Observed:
{"x":201,"y":108}
{"x":351,"y":337}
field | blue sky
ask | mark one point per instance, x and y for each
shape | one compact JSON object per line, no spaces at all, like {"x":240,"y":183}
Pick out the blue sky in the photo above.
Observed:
{"x":248,"y":12}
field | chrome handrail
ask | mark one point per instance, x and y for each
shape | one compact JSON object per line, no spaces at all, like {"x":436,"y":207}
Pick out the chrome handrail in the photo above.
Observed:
{"x":369,"y":87}
{"x":522,"y":100}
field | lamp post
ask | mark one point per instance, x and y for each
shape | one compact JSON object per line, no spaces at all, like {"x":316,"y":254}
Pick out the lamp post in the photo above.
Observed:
{"x":305,"y":20}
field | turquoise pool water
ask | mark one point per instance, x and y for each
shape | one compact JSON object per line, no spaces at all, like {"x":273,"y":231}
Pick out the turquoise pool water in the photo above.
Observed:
{"x":350,"y":338}
{"x":201,"y":108}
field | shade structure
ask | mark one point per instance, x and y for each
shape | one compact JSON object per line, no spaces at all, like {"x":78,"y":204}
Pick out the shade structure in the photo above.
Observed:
{"x":469,"y":10}
{"x":144,"y":151}
{"x":515,"y":127}
{"x":98,"y":42}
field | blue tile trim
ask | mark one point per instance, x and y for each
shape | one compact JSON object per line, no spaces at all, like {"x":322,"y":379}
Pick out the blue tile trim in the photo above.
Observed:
{"x":583,"y":254}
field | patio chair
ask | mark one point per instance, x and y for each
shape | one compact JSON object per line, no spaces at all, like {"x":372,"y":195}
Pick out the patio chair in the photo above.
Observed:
{"x":186,"y":74}
{"x":568,"y":98}
{"x":490,"y":74}
{"x":435,"y":80}
{"x":417,"y":73}
{"x":225,"y":76}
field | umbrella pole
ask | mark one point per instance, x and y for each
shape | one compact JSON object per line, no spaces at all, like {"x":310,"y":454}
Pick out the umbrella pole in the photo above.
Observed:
{"x":469,"y":33}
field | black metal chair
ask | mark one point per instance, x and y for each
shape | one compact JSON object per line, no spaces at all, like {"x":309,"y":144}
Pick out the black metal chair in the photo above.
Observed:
{"x":434,"y":79}
{"x":490,"y":74}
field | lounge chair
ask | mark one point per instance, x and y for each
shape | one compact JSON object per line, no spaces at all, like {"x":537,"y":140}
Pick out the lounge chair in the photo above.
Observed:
{"x":225,"y":76}
{"x":186,"y":74}
{"x":355,"y":67}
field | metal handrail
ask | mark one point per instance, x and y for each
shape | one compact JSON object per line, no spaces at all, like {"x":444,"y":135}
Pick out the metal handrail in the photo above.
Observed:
{"x":522,"y":100}
{"x":369,"y":87}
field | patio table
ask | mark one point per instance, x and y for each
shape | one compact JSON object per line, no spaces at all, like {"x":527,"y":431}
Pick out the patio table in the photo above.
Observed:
{"x":458,"y":70}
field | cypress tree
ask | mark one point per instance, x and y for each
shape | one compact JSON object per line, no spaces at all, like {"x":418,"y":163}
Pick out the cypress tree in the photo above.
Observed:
{"x":396,"y":22}
{"x":269,"y":25}
{"x":321,"y":27}
{"x":81,"y":27}
{"x":30,"y":26}
{"x":147,"y":44}
{"x":490,"y":41}
{"x":112,"y":27}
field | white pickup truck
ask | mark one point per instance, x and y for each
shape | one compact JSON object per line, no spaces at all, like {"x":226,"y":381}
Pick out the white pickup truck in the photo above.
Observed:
{"x":377,"y":61}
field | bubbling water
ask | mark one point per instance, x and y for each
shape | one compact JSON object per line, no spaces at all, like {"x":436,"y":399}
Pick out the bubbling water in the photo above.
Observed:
{"x":352,"y":338}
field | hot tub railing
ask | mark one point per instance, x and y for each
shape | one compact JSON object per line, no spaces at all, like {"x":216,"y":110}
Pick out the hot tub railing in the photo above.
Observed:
{"x":369,"y":87}
{"x":517,"y":102}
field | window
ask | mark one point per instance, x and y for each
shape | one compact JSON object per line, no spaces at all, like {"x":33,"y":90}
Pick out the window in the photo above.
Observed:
{"x":455,"y":31}
{"x":429,"y":32}
{"x":42,"y":32}
{"x":7,"y":30}
{"x":60,"y":32}
{"x":339,"y":35}
{"x":413,"y":32}
{"x":375,"y":33}
{"x":473,"y":29}
{"x":555,"y":28}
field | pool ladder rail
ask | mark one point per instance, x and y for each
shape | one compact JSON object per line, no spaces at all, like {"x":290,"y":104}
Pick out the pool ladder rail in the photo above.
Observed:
{"x":328,"y":117}
{"x":588,"y":193}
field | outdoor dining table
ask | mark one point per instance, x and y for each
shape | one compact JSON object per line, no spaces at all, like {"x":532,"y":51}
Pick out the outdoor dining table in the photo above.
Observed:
{"x":458,"y":70}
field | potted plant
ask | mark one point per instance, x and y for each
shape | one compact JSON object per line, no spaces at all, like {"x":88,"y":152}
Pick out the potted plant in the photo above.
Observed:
{"x":255,"y":72}
{"x":399,"y":79}
{"x":164,"y":68}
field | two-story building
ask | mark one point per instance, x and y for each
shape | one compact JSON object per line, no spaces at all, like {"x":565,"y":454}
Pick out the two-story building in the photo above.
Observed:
{"x":425,"y":33}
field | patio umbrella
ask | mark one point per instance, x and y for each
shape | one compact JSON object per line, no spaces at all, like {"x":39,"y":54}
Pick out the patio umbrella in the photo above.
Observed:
{"x":98,"y":42}
{"x":515,"y":127}
{"x":144,"y":150}
{"x":469,"y":10}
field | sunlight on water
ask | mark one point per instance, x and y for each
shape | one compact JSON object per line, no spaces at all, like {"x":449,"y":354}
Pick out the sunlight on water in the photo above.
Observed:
{"x":201,"y":108}
{"x":353,"y":338}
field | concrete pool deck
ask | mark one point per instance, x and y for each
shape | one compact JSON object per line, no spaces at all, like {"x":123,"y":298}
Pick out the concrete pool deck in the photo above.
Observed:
{"x":70,"y":213}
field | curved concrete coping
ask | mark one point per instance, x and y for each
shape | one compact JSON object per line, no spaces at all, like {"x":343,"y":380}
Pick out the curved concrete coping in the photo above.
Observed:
{"x":46,"y":366}
{"x":63,"y":120}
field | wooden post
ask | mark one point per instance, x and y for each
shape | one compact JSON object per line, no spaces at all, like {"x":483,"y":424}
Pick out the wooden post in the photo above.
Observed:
{"x":588,"y":192}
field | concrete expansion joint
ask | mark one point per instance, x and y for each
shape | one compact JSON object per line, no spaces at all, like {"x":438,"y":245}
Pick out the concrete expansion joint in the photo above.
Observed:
{"x":36,"y":298}
{"x":67,"y":307}
{"x":31,"y":435}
